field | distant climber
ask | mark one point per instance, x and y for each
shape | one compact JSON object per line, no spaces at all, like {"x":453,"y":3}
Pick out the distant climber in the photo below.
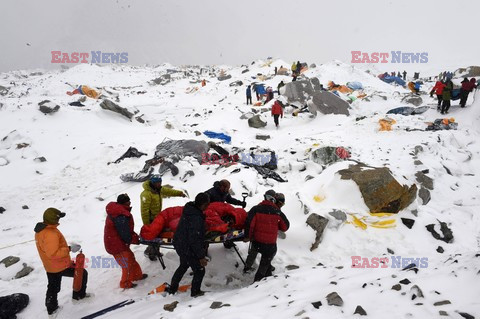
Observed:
{"x":277,"y":111}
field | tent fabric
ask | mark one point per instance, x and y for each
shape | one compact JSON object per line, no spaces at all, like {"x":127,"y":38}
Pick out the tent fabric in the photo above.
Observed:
{"x":442,"y":124}
{"x":386,"y":124}
{"x":393,"y":79}
{"x":408,"y":110}
{"x":221,"y":136}
{"x":455,"y":94}
{"x":355,"y":85}
{"x":88,"y":91}
{"x":175,"y":150}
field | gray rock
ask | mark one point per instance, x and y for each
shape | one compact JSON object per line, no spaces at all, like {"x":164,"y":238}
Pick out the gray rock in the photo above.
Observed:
{"x":291,"y":267}
{"x":333,"y":299}
{"x":447,"y":234}
{"x":408,"y":222}
{"x":224,"y":77}
{"x":339,"y":215}
{"x":10,"y":260}
{"x":380,"y":191}
{"x":471,"y":71}
{"x":390,"y":251}
{"x":262,"y":137}
{"x":47,"y":107}
{"x":416,"y":291}
{"x":327,"y":103}
{"x":413,"y":99}
{"x":187,"y":175}
{"x":405,"y":281}
{"x":218,"y":304}
{"x":424,"y":195}
{"x":318,"y":223}
{"x":443,"y":313}
{"x":24,"y":207}
{"x":397,"y":287}
{"x":245,"y":71}
{"x":317,"y":304}
{"x":236,"y":83}
{"x":418,"y":149}
{"x":360,"y":311}
{"x":40,"y":159}
{"x":308,"y":177}
{"x":301,"y":91}
{"x":110,"y":106}
{"x":466,"y":315}
{"x":424,"y":180}
{"x":171,"y":306}
{"x":417,"y":162}
{"x":256,"y":122}
{"x":162,"y":80}
{"x":313,"y":66}
{"x":440,"y":249}
{"x":2,"y":210}
{"x":140,"y":119}
{"x":442,"y":303}
{"x":24,"y":272}
{"x":197,"y":133}
{"x":3,"y":90}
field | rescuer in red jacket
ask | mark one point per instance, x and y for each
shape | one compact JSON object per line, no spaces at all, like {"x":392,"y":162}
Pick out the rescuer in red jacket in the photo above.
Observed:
{"x":118,"y":236}
{"x":261,"y":228}
{"x":277,"y":111}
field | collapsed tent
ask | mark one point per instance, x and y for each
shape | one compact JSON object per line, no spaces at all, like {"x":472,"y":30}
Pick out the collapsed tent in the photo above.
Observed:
{"x":392,"y":79}
{"x":131,"y":152}
{"x":408,"y":110}
{"x":221,"y":136}
{"x":442,"y":124}
{"x":333,"y":87}
{"x":266,"y":172}
{"x":175,"y":150}
{"x":355,"y":85}
{"x":456,"y":94}
{"x":327,"y":103}
{"x":219,"y":218}
{"x":386,"y":124}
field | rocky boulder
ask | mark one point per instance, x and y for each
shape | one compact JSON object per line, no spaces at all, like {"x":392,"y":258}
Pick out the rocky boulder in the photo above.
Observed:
{"x":256,"y":122}
{"x":48,"y":107}
{"x":318,"y":223}
{"x":412,"y":99}
{"x":380,"y":190}
{"x":110,"y":106}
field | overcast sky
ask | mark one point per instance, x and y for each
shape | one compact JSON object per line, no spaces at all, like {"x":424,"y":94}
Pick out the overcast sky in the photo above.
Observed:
{"x":238,"y":32}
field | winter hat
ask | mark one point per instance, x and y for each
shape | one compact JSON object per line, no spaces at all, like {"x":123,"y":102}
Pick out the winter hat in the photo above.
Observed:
{"x":280,"y":198}
{"x":270,"y":195}
{"x":123,"y":199}
{"x":52,"y":215}
{"x":155,"y":179}
{"x":202,"y":198}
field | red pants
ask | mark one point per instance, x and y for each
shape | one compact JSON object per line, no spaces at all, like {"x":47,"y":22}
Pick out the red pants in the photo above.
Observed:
{"x":131,"y":270}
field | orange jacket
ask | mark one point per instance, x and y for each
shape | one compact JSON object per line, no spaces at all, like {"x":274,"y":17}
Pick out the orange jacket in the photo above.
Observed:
{"x":52,"y":248}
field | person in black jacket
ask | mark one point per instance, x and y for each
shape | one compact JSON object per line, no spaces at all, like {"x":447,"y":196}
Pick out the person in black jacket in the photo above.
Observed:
{"x":220,"y":193}
{"x":189,"y":243}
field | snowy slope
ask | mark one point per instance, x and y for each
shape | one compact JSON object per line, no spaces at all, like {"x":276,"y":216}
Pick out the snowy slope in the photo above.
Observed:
{"x":79,"y":142}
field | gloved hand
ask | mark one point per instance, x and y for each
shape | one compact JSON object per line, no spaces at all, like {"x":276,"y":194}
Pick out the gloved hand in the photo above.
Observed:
{"x":75,"y":247}
{"x":203,"y":262}
{"x":183,"y":195}
{"x":135,"y":239}
{"x":244,"y":204}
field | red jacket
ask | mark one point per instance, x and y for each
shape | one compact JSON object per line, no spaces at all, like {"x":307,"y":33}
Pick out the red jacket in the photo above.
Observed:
{"x":277,"y":109}
{"x":264,"y":221}
{"x":439,"y":88}
{"x":118,"y":233}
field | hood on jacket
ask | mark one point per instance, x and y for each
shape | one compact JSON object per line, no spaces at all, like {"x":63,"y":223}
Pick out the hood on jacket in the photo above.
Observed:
{"x":268,"y":203}
{"x":39,"y":227}
{"x":115,"y":209}
{"x":191,"y":209}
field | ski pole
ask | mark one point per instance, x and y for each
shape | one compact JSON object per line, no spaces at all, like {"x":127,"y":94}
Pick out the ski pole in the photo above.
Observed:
{"x":238,"y":253}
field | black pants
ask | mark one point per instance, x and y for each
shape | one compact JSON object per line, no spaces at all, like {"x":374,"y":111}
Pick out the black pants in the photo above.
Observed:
{"x":439,"y":99}
{"x":252,"y":255}
{"x":445,"y":106}
{"x":55,"y":283}
{"x":249,"y":99}
{"x":463,"y":98}
{"x":267,"y":251}
{"x":198,"y":273}
{"x":275,"y":118}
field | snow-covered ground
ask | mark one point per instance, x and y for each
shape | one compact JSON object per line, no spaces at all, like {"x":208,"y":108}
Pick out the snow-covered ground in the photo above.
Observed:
{"x":78,"y":142}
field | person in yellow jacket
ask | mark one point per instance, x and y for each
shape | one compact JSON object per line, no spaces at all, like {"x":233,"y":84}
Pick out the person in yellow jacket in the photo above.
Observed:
{"x":55,"y":255}
{"x":151,"y":204}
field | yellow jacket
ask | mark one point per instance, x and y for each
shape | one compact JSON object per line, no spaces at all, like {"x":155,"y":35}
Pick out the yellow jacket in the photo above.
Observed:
{"x":151,"y":201}
{"x":52,"y":248}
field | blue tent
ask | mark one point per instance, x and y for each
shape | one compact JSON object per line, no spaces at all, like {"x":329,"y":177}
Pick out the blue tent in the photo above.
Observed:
{"x":391,"y":79}
{"x":455,"y":94}
{"x":221,"y":136}
{"x":355,"y":85}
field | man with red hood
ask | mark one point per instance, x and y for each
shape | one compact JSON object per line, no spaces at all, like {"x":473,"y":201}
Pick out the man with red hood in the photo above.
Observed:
{"x":438,"y":90}
{"x":277,"y":111}
{"x":118,"y":236}
{"x":261,"y":228}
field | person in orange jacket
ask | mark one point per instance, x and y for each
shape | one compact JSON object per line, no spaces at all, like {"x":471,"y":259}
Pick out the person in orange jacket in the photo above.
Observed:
{"x":277,"y":111}
{"x":118,"y":236}
{"x":55,"y":255}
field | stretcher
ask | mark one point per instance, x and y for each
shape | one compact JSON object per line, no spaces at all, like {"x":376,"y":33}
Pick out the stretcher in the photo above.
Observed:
{"x":165,"y":240}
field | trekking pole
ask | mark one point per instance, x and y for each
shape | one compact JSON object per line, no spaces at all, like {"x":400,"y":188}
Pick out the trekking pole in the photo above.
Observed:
{"x":159,"y":255}
{"x":238,"y":253}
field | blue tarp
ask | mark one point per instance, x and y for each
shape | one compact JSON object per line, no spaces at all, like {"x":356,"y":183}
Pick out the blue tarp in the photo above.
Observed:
{"x":355,"y":85}
{"x":396,"y":79}
{"x":260,"y":89}
{"x":455,"y":94}
{"x":221,"y":136}
{"x":408,"y":110}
